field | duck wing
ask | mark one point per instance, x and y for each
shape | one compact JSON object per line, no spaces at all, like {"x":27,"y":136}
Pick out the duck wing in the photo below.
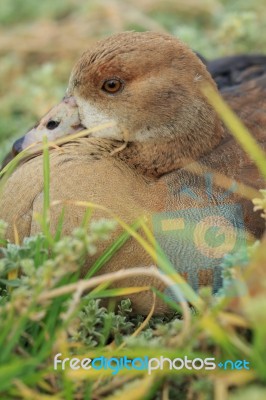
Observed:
{"x":235,"y":70}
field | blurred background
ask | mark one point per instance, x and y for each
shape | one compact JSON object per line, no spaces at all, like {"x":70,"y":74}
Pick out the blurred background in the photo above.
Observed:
{"x":40,"y":41}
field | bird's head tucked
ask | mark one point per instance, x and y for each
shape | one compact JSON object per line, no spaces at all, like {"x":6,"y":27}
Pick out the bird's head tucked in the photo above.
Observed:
{"x":63,"y":119}
{"x":148,"y":84}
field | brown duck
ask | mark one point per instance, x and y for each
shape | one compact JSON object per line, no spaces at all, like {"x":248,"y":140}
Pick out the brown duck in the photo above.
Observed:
{"x":178,"y":165}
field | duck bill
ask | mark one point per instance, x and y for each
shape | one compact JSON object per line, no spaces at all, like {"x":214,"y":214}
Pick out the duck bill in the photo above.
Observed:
{"x":62,"y":120}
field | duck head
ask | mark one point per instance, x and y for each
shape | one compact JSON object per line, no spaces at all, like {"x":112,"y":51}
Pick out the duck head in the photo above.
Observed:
{"x":61,"y":120}
{"x":149,"y":84}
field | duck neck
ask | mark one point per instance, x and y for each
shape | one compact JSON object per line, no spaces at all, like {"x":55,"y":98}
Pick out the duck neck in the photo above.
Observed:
{"x":158,"y":157}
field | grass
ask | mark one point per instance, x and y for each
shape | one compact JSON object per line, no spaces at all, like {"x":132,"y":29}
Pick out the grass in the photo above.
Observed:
{"x":43,"y":310}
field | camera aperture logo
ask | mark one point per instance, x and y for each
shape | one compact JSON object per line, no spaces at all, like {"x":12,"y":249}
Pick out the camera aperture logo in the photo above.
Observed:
{"x":196,"y":239}
{"x":117,"y":364}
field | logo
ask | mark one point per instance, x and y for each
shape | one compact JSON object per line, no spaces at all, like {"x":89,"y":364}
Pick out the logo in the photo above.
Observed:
{"x":117,"y":364}
{"x":195,"y":239}
{"x":232,"y":365}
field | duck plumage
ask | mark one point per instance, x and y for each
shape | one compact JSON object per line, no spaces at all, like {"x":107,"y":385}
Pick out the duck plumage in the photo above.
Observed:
{"x":176,"y":151}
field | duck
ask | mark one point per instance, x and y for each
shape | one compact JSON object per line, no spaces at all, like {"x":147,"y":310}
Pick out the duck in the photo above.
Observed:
{"x":58,"y":122}
{"x":227,"y":72}
{"x":167,"y":156}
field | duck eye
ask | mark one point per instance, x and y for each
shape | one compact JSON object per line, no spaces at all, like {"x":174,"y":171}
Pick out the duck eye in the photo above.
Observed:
{"x":112,"y":86}
{"x":52,"y":124}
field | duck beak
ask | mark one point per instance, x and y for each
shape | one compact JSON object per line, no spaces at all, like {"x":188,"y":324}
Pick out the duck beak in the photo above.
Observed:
{"x":18,"y":146}
{"x":62,"y":120}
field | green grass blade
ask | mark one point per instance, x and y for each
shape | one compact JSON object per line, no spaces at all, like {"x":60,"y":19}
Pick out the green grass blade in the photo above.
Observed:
{"x":59,"y":228}
{"x":238,"y":129}
{"x":111,"y":250}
